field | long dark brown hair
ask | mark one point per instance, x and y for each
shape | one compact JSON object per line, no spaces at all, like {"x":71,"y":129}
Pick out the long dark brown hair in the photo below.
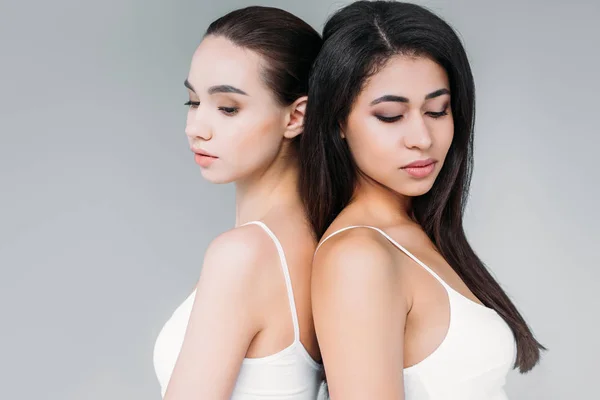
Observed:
{"x":359,"y":39}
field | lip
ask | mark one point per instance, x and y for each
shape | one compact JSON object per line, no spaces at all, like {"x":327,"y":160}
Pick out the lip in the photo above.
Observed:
{"x":420,"y":169}
{"x":203,"y":153}
{"x":420,"y":163}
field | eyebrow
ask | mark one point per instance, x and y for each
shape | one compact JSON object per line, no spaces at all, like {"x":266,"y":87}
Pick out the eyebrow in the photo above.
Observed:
{"x":389,"y":97}
{"x":217,"y":89}
{"x":402,"y":99}
{"x":437,"y":93}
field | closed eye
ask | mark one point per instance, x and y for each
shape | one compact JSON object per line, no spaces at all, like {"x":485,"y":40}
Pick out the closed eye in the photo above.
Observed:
{"x":440,"y":114}
{"x":389,"y":119}
{"x":229,"y":111}
{"x":192,"y":104}
{"x":437,"y":114}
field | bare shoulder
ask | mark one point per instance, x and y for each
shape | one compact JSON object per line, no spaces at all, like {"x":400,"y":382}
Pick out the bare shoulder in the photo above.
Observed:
{"x":356,"y":260}
{"x":237,"y":254}
{"x":360,"y":311}
{"x":226,"y":315}
{"x":355,"y":247}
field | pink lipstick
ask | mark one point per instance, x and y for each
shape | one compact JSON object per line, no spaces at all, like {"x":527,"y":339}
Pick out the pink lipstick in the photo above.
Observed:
{"x":203,"y":158}
{"x":420,"y":168}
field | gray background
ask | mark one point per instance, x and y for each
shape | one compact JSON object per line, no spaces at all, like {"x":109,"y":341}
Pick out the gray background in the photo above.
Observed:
{"x":104,"y":216}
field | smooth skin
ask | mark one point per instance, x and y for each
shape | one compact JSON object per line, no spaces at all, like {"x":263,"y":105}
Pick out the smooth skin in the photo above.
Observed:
{"x":376,"y":311}
{"x":241,"y":306}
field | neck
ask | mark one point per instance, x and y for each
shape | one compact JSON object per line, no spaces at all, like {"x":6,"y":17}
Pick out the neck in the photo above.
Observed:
{"x":274,"y":187}
{"x":381,"y":203}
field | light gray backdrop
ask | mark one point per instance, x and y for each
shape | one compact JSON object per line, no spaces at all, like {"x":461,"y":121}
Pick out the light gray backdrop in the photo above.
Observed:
{"x":104,"y":216}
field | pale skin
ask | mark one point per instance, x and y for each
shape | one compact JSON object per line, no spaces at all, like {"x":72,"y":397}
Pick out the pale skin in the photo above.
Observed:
{"x":376,"y":311}
{"x":241,"y":306}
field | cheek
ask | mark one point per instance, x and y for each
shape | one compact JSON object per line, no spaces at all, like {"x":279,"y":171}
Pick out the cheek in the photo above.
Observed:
{"x":252,"y":141}
{"x":257,"y":134}
{"x":444,"y":136}
{"x":372,"y":142}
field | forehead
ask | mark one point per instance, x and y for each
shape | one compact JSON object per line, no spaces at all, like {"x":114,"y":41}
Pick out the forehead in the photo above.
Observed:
{"x":408,"y":76}
{"x":217,"y":61}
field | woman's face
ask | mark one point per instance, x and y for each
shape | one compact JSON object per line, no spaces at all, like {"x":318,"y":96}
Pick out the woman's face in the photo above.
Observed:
{"x":234,"y":125}
{"x":400,"y":127}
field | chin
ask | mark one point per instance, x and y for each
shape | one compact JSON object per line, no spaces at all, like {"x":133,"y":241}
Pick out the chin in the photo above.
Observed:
{"x":213,"y":177}
{"x":416,"y":189}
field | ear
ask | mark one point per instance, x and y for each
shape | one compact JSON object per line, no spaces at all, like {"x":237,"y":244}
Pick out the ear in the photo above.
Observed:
{"x":342,"y":133}
{"x":295,"y":123}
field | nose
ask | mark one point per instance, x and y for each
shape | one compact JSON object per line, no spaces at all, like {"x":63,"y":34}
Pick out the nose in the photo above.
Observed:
{"x":418,"y":135}
{"x":197,"y":127}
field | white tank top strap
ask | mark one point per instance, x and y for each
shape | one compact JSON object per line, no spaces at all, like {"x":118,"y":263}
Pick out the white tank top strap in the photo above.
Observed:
{"x":398,"y":245}
{"x":286,"y":275}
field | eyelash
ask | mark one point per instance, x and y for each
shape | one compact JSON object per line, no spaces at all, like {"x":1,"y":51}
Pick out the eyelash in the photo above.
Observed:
{"x":389,"y":120}
{"x":229,"y":111}
{"x":192,"y":104}
{"x":438,"y":114}
{"x":432,"y":114}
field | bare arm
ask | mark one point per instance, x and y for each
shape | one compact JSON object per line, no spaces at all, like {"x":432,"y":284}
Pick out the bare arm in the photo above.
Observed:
{"x":359,"y":318}
{"x":223,"y":321}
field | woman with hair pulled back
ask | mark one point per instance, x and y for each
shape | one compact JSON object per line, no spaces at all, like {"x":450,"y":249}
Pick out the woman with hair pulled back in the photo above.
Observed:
{"x":403,"y":307}
{"x":246,"y":331}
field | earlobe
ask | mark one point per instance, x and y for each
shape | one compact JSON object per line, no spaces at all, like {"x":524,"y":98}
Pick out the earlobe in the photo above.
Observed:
{"x":296,"y":118}
{"x":342,"y":134}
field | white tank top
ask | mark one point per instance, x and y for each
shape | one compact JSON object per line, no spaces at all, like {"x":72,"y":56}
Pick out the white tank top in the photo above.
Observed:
{"x":474,"y":358}
{"x":290,"y":374}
